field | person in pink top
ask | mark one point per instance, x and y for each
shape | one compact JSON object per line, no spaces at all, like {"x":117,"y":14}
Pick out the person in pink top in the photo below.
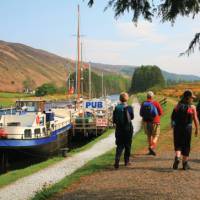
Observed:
{"x":151,"y":112}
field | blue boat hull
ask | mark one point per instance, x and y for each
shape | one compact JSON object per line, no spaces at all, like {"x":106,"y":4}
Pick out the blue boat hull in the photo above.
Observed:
{"x":39,"y":146}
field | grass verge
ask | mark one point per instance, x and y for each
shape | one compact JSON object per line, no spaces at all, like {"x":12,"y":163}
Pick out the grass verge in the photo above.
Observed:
{"x":103,"y":161}
{"x":13,"y":176}
{"x":7,"y":99}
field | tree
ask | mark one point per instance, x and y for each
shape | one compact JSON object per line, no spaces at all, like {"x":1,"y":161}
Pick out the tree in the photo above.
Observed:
{"x":45,"y":89}
{"x":113,"y":84}
{"x":147,"y":77}
{"x":166,"y":10}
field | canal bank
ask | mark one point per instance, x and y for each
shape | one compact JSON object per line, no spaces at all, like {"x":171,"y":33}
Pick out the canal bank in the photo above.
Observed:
{"x":62,"y":169}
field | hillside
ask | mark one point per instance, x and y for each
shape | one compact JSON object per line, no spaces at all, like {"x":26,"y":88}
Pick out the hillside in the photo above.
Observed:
{"x":127,"y":70}
{"x":19,"y":62}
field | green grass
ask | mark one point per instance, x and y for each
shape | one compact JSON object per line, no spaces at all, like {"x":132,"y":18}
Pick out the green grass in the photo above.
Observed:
{"x":103,"y":161}
{"x":141,"y":97}
{"x":5,"y":103}
{"x":7,"y":99}
{"x":13,"y":95}
{"x":13,"y":176}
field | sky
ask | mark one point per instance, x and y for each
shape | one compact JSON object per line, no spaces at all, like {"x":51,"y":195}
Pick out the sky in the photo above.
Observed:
{"x":51,"y":25}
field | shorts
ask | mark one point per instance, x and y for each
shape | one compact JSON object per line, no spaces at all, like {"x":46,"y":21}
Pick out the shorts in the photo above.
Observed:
{"x":151,"y":129}
{"x":182,"y":139}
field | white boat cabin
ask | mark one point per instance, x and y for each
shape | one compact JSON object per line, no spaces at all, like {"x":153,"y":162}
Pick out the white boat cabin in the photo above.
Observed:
{"x":32,"y":121}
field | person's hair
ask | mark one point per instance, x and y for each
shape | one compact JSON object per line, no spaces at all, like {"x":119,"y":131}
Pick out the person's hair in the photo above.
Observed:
{"x":123,"y":97}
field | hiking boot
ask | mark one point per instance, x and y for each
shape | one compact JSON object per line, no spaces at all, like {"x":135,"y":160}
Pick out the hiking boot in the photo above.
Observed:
{"x":151,"y":152}
{"x":116,"y":165}
{"x":186,"y":166}
{"x":176,"y":163}
{"x":128,"y":163}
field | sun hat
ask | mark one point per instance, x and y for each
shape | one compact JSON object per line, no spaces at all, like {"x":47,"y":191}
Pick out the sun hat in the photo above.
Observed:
{"x":150,"y":94}
{"x":188,"y":94}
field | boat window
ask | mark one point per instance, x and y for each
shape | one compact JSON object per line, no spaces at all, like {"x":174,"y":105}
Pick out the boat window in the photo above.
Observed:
{"x":30,"y":108}
{"x":37,"y":131}
{"x":13,"y":124}
{"x":41,"y":121}
{"x":44,"y":130}
{"x":52,"y":126}
{"x":27,"y":133}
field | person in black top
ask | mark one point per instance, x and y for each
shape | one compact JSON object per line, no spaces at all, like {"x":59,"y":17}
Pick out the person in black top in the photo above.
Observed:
{"x":198,"y":110}
{"x":122,"y":116}
{"x":182,"y":116}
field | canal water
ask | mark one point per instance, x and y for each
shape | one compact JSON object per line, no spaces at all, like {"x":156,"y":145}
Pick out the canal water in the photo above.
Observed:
{"x":114,"y":98}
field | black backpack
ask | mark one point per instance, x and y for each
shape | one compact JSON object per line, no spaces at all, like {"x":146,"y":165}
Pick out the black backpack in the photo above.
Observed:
{"x":198,"y":110}
{"x":181,"y":115}
{"x":122,"y":118}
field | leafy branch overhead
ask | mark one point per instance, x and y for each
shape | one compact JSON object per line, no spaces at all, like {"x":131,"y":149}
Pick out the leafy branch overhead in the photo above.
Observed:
{"x":166,"y":10}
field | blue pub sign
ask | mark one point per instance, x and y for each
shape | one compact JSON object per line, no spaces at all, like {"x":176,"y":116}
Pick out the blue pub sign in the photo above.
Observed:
{"x":99,"y":105}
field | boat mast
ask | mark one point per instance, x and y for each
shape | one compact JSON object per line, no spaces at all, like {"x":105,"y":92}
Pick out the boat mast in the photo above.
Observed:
{"x":90,"y":82}
{"x":68,"y":84}
{"x":82,"y":77}
{"x":102,"y":86}
{"x":78,"y":64}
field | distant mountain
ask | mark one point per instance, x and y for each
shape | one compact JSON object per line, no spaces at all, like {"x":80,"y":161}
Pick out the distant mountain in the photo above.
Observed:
{"x":128,"y":71}
{"x":180,"y":77}
{"x":125,"y":70}
{"x":20,"y":63}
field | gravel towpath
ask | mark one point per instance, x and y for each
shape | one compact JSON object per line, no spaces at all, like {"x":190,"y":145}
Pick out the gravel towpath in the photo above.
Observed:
{"x":26,"y":187}
{"x":148,"y":178}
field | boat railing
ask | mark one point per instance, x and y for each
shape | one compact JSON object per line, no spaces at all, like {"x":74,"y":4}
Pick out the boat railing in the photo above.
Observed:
{"x":31,"y":132}
{"x":24,"y":136}
{"x":61,"y":125}
{"x":96,"y":122}
{"x":23,"y":132}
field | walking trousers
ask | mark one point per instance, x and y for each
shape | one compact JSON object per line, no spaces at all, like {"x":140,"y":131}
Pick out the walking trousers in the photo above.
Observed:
{"x":123,"y":142}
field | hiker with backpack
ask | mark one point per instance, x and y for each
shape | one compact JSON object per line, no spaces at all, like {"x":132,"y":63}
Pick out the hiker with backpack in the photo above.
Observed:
{"x":122,"y":116}
{"x":182,"y":117}
{"x":151,"y":112}
{"x":198,"y":110}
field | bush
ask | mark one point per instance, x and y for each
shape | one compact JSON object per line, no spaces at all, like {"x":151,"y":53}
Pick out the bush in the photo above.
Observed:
{"x":61,"y":90}
{"x":45,"y":89}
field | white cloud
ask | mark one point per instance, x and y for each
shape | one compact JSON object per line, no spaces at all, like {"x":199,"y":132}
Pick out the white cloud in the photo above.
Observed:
{"x":107,"y":51}
{"x":146,"y":44}
{"x":144,"y":31}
